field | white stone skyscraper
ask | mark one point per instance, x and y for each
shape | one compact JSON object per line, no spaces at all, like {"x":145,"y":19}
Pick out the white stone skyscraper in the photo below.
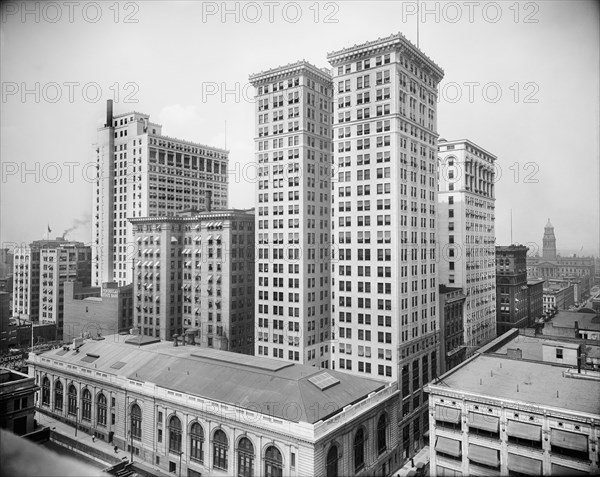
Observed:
{"x":467,"y":235}
{"x":142,"y":173}
{"x":293,"y":155}
{"x":384,"y":276}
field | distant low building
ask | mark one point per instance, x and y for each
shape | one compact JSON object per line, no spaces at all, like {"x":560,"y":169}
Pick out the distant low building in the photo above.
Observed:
{"x":96,"y":311}
{"x":535,"y":299}
{"x":572,"y":324}
{"x":521,"y":406}
{"x":17,"y":405}
{"x":198,"y":411}
{"x":40,"y":270}
{"x":558,"y":297}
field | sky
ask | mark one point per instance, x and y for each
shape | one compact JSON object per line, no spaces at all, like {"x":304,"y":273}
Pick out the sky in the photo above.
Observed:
{"x":521,"y":80}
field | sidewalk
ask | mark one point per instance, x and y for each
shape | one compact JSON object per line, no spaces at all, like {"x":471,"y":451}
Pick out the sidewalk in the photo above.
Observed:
{"x":105,"y":453}
{"x":421,"y":457}
{"x":98,"y":450}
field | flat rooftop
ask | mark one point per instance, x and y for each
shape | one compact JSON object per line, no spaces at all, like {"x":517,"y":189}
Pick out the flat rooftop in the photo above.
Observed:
{"x":250,"y":382}
{"x":536,"y":383}
{"x":585,"y":321}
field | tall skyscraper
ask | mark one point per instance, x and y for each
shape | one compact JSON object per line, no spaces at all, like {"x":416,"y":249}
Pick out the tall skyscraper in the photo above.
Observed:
{"x":40,"y":271}
{"x":293,"y":153}
{"x":142,"y":173}
{"x":466,"y":212}
{"x":384,"y":277}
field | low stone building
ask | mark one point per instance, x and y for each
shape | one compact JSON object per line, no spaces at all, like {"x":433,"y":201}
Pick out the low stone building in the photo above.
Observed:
{"x":201,"y":411}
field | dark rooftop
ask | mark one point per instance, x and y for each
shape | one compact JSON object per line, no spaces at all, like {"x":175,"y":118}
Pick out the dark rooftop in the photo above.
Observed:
{"x":250,"y":382}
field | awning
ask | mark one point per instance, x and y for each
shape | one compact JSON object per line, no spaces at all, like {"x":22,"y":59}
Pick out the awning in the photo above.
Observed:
{"x":484,"y":455}
{"x":196,"y":239}
{"x":447,"y":446}
{"x":173,"y":239}
{"x":483,"y":421}
{"x":523,"y":430}
{"x":157,"y":264}
{"x":139,"y":239}
{"x":562,"y":470}
{"x":209,"y":237}
{"x":569,"y":440}
{"x":447,"y":414}
{"x":524,"y":465}
{"x":217,"y":238}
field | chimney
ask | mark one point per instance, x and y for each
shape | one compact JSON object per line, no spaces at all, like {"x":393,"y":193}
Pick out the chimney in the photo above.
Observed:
{"x":514,"y":353}
{"x":208,"y":201}
{"x":109,"y":113}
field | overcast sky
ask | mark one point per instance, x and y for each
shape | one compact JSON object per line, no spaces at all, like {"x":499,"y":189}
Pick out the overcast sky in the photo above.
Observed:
{"x":521,"y":80}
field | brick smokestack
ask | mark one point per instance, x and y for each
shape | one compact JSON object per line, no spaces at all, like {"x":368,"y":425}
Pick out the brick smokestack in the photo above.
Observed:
{"x":109,"y":113}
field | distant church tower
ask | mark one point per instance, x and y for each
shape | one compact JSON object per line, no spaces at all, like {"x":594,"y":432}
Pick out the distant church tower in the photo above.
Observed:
{"x":549,"y":243}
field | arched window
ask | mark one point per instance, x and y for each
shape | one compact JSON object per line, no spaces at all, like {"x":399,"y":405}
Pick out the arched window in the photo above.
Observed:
{"x":72,"y":403}
{"x":245,"y":458}
{"x":359,"y":449}
{"x":136,"y":421}
{"x":197,"y":442}
{"x":45,"y":391}
{"x":273,"y":462}
{"x":174,"y":434}
{"x":332,"y":462}
{"x":58,"y":396}
{"x":86,"y":410}
{"x":220,"y":447}
{"x":382,"y":434}
{"x":101,"y":410}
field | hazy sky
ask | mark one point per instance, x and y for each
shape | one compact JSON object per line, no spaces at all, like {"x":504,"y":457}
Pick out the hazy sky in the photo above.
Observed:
{"x":521,"y":80}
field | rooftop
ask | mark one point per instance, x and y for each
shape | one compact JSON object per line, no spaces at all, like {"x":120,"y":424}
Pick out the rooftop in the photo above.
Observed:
{"x":536,"y":383}
{"x":240,"y":380}
{"x":585,"y":321}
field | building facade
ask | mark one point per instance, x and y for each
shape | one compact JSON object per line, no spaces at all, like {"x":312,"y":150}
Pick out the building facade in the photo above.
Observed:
{"x":194,"y":274}
{"x":40,"y":270}
{"x":466,"y":225}
{"x":293,"y":153}
{"x":266,"y":417}
{"x":452,"y":339}
{"x":535,"y":299}
{"x":512,"y":292}
{"x":17,"y":405}
{"x":519,"y":408}
{"x":143,"y":173}
{"x":96,"y":311}
{"x":384,"y":276}
{"x":558,"y":297}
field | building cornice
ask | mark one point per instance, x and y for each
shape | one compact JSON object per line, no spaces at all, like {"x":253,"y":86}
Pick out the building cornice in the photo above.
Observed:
{"x":301,"y":67}
{"x":382,"y":45}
